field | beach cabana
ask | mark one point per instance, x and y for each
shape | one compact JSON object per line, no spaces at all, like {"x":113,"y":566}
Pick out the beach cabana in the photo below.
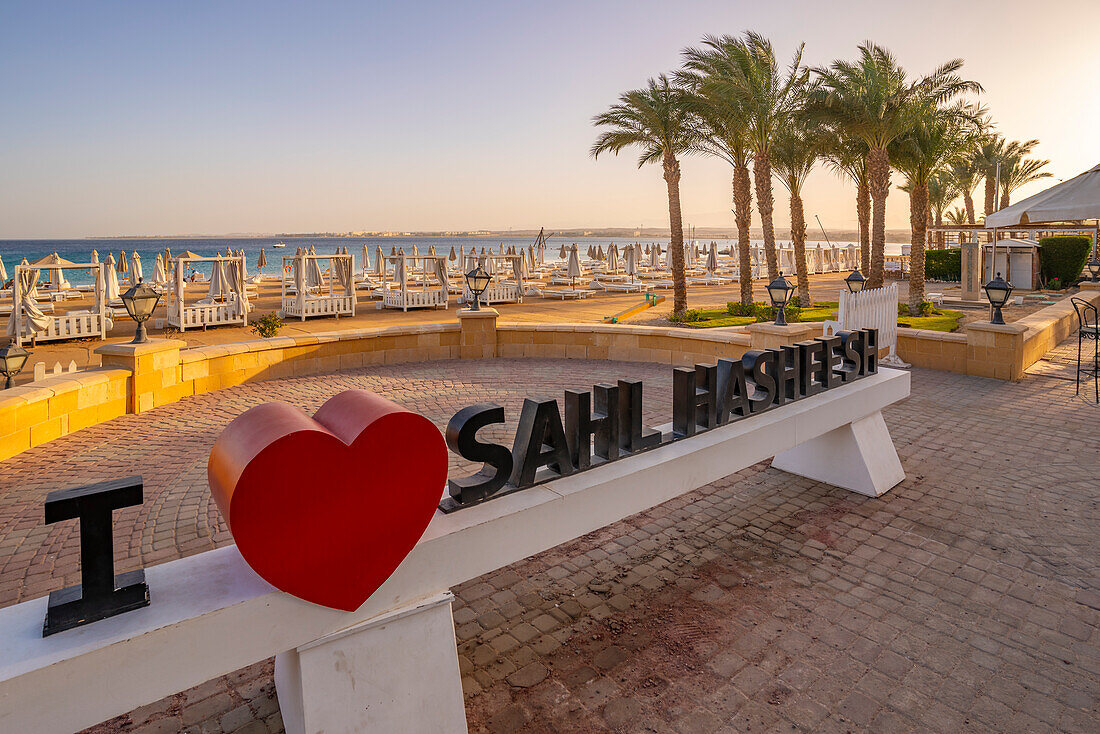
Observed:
{"x":28,"y":321}
{"x":501,"y":289}
{"x":428,"y":294}
{"x":306,"y":293}
{"x":226,"y":301}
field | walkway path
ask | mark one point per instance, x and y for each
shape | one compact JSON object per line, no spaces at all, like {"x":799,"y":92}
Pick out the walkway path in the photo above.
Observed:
{"x":964,"y":600}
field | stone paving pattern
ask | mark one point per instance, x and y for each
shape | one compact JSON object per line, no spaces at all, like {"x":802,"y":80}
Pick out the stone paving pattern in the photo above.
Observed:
{"x":966,"y":599}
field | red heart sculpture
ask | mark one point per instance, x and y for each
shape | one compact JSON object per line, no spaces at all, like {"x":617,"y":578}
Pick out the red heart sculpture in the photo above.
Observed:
{"x":325,"y":508}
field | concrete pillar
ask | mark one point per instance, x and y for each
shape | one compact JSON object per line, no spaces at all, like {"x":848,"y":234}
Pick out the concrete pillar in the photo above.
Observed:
{"x":995,"y":350}
{"x":478,"y":337}
{"x":771,"y":336}
{"x":971,"y":275}
{"x":154,"y":370}
{"x":394,"y":673}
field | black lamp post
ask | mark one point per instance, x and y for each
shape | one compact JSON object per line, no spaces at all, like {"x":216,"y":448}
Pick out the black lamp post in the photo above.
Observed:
{"x":1094,"y":268}
{"x":779,"y":290}
{"x":997,"y":291}
{"x":855,"y":281}
{"x":12,"y":359}
{"x":140,"y":301}
{"x":477,"y":280}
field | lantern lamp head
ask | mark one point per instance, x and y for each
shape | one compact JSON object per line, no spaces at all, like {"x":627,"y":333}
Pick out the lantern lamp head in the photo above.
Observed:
{"x":140,"y":302}
{"x":997,"y":291}
{"x":477,"y":280}
{"x":12,"y":359}
{"x":779,"y":291}
{"x":855,"y":281}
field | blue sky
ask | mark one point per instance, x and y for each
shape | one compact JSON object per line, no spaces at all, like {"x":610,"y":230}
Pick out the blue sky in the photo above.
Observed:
{"x":199,"y":117}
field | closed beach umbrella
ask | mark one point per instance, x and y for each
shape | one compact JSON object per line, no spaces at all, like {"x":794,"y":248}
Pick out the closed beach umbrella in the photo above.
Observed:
{"x":573,"y":267}
{"x":366,"y":259}
{"x":95,"y":256}
{"x":612,"y":259}
{"x":453,"y":256}
{"x":712,"y":259}
{"x":167,"y":256}
{"x":122,"y":266}
{"x":379,"y":262}
{"x":313,"y":273}
{"x":629,"y":261}
{"x":138,"y":273}
{"x":261,"y":261}
{"x":111,"y":292}
{"x":655,"y":257}
{"x":561,"y":252}
{"x":3,"y":272}
{"x":160,"y":277}
{"x":599,"y":253}
{"x":393,"y":251}
{"x":219,"y":286}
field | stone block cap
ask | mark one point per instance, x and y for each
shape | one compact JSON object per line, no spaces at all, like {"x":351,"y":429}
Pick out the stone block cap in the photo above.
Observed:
{"x":1000,"y":328}
{"x":126,"y":349}
{"x":788,"y":329}
{"x":481,"y":313}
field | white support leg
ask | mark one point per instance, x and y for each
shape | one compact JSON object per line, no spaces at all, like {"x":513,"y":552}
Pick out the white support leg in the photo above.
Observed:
{"x":859,"y":456}
{"x":394,"y":673}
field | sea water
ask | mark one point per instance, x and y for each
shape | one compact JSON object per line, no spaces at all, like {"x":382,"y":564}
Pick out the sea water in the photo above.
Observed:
{"x":12,"y":252}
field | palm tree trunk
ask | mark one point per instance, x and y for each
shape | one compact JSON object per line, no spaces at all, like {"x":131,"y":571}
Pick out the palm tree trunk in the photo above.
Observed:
{"x":990,"y":191}
{"x":918,"y":222}
{"x":941,"y":237}
{"x":863,"y":211}
{"x":990,"y":196}
{"x":676,"y":224}
{"x":878,"y":180}
{"x":1004,"y":198}
{"x":798,"y":236}
{"x":742,"y":215}
{"x":765,"y":204}
{"x":968,"y":200}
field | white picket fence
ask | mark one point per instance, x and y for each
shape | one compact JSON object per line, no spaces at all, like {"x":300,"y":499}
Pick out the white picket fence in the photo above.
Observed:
{"x":876,"y":308}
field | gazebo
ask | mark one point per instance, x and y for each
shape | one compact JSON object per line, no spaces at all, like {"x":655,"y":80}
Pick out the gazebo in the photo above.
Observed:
{"x":226,"y":302}
{"x":305,"y":292}
{"x":27,"y":320}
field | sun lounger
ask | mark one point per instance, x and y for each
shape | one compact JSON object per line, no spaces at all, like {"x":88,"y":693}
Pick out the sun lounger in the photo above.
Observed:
{"x":564,"y":293}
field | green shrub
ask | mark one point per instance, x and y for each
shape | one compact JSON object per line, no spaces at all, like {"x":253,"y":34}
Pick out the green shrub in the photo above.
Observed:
{"x":687,"y":317}
{"x":1063,"y":258}
{"x":764,"y":311}
{"x":736,"y":308}
{"x":267,"y":326}
{"x":943,"y":265}
{"x":926,"y":309}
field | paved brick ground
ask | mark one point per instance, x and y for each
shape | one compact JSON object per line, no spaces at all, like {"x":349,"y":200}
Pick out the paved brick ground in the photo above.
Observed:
{"x":966,"y":599}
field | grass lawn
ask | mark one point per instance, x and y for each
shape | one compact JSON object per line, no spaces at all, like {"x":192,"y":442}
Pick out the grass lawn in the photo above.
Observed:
{"x":939,"y":320}
{"x":713,"y":318}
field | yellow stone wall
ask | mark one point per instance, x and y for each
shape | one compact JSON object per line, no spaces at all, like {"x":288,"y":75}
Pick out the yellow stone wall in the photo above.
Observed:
{"x":136,"y":378}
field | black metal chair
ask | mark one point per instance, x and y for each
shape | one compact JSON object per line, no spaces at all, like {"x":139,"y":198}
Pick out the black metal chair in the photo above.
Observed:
{"x":1087,"y":331}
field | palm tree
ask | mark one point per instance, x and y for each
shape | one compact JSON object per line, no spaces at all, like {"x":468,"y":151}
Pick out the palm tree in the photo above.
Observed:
{"x":708,"y":74}
{"x":872,"y":99}
{"x":957,"y":215}
{"x":993,"y":150}
{"x":1018,"y":171}
{"x":769,"y":97}
{"x":966,"y":175}
{"x":939,"y":138}
{"x":794,"y":154}
{"x":943,"y":189}
{"x":657,"y":120}
{"x":848,"y":157}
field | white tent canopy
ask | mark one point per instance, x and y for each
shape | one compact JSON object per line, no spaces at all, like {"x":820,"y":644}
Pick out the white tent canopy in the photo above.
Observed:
{"x":1070,"y":201}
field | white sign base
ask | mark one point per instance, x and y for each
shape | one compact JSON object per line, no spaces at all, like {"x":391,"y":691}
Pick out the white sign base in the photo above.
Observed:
{"x":396,"y":672}
{"x":858,"y":456}
{"x":211,"y":614}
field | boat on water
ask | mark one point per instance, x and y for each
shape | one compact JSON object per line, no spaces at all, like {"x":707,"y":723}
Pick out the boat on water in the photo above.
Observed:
{"x":277,"y":245}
